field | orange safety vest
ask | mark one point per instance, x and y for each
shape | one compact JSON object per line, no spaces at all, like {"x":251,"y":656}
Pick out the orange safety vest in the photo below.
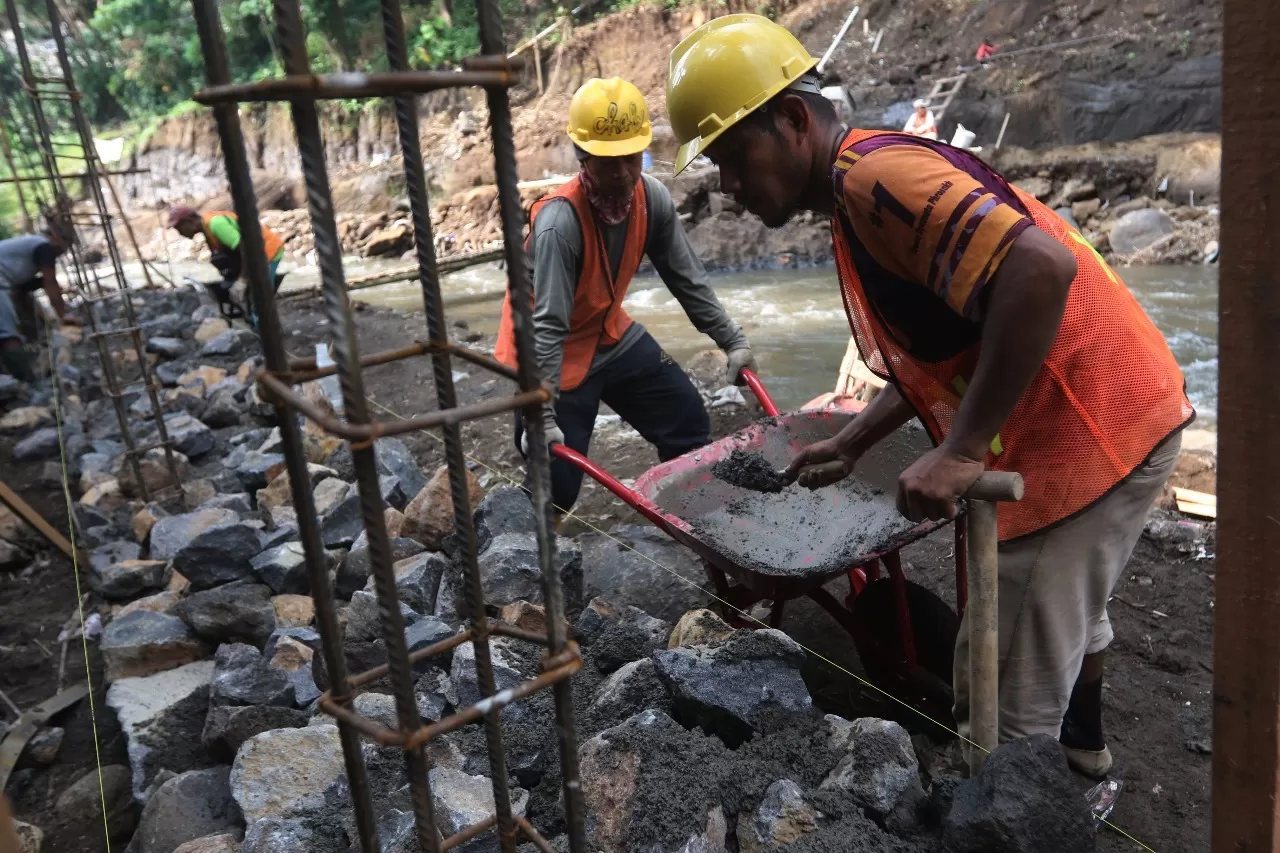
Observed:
{"x":270,"y":239}
{"x":598,"y":318}
{"x":1108,"y":392}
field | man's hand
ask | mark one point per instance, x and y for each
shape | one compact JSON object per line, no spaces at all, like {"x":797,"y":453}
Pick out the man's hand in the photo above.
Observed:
{"x":930,"y":488}
{"x":551,"y":430}
{"x":835,"y":458}
{"x":740,"y":359}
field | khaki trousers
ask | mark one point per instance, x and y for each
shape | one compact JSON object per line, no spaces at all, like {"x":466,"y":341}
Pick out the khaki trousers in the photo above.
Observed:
{"x":1053,"y":591}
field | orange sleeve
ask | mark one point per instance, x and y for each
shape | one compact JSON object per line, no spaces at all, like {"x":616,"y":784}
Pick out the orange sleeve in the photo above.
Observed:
{"x":927,"y":221}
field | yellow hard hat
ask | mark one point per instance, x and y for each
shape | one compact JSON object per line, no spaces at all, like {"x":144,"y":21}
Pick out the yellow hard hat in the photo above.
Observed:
{"x":608,"y":118}
{"x":724,"y":70}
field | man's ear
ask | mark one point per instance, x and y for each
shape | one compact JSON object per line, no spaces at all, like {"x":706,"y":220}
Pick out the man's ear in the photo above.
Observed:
{"x":792,"y":110}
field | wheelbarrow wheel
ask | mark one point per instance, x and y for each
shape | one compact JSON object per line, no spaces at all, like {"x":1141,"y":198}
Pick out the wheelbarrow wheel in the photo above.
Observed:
{"x":880,"y":648}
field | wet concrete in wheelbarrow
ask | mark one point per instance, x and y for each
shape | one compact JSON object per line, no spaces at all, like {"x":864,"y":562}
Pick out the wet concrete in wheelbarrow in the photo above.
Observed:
{"x":749,"y":470}
{"x":794,"y":532}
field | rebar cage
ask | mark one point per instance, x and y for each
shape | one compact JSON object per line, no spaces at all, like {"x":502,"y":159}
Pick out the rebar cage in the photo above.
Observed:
{"x":493,"y":71}
{"x":50,"y":194}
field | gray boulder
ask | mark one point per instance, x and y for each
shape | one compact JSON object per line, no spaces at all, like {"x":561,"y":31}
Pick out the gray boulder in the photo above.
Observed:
{"x":291,"y":835}
{"x":227,"y":727}
{"x":343,"y":523}
{"x":142,"y":643}
{"x":510,"y":571}
{"x":353,"y":572}
{"x":394,"y":459}
{"x":290,"y":773}
{"x":191,"y":805}
{"x":1139,"y":229}
{"x":627,"y":573}
{"x":435,"y":694}
{"x":284,"y":569}
{"x":41,"y":444}
{"x":114,"y":792}
{"x":879,"y":765}
{"x":461,"y":801}
{"x":619,"y":634}
{"x":230,"y":613}
{"x":162,"y":716}
{"x":232,"y":342}
{"x":238,"y":502}
{"x":505,"y":509}
{"x":243,"y":677}
{"x":189,"y":436}
{"x":167,"y":347}
{"x":750,"y":683}
{"x":426,"y":631}
{"x":632,"y":689}
{"x":223,"y":410}
{"x":208,"y":547}
{"x":418,"y":579}
{"x":168,"y":325}
{"x":113,"y":552}
{"x":506,"y":674}
{"x":782,"y":818}
{"x":1024,"y":799}
{"x":294,"y":657}
{"x":170,"y":373}
{"x":364,"y":619}
{"x":129,"y":579}
{"x":253,"y":468}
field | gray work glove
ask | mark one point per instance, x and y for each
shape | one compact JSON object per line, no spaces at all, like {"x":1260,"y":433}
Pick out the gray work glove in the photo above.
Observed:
{"x":554,"y":434}
{"x":740,"y":359}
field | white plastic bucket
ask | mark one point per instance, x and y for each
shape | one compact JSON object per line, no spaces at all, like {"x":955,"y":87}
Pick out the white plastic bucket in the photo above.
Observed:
{"x":963,"y":137}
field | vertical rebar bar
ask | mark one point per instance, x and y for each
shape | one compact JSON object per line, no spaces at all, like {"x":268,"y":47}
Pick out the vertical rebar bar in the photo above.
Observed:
{"x":231,"y":137}
{"x":520,"y":287}
{"x":446,"y":398}
{"x":306,"y":121}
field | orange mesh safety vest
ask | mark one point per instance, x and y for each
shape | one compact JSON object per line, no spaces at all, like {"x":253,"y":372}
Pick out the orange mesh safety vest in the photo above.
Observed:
{"x":270,"y":239}
{"x":597,"y":319}
{"x":1108,"y":392}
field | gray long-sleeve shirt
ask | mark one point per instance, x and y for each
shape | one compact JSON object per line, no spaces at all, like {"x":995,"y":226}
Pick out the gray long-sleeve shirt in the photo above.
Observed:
{"x":557,"y":259}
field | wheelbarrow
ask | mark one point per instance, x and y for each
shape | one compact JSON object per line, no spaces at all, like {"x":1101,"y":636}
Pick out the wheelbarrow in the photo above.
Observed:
{"x":760,"y":547}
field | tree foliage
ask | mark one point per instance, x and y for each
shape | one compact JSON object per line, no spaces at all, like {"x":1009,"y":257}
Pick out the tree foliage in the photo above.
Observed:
{"x":142,"y":57}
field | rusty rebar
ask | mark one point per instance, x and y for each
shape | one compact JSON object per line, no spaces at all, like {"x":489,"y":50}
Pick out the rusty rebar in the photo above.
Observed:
{"x":350,"y":84}
{"x":231,"y":137}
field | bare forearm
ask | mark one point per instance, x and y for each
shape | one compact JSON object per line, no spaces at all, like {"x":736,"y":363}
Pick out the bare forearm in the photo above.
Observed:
{"x":1024,"y":311}
{"x":50,"y":283}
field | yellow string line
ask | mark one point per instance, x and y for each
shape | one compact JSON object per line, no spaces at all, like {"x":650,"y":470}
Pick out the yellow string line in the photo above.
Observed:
{"x":75,"y":566}
{"x":682,"y":578}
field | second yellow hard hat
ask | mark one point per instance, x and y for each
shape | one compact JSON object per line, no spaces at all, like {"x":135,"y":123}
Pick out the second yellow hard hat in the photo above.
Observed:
{"x":608,"y":118}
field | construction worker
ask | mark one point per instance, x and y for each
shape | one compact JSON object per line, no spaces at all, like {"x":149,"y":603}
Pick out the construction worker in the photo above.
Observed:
{"x":221,"y":230}
{"x":587,"y":241}
{"x":27,"y":264}
{"x":994,"y":323}
{"x":921,"y":121}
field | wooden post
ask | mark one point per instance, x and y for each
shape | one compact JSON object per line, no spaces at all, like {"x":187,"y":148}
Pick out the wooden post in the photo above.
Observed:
{"x":1246,"y":635}
{"x":537,"y":64}
{"x":1003,"y":125}
{"x":983,"y":618}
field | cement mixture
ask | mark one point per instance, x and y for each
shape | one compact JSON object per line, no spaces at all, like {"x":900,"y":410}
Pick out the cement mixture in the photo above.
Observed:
{"x":749,"y":470}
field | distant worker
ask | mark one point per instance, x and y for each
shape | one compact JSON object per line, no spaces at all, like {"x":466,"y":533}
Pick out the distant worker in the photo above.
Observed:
{"x":985,"y":51}
{"x":587,"y":241}
{"x":27,"y":264}
{"x":221,"y":231}
{"x":921,"y":122}
{"x":994,"y":324}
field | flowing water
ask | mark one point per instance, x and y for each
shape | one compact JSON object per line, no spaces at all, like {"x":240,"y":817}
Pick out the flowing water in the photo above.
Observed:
{"x":798,"y":330}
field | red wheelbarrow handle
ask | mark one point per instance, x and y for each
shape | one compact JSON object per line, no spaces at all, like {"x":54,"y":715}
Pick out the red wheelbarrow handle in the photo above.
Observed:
{"x":757,"y":387}
{"x":630,"y":497}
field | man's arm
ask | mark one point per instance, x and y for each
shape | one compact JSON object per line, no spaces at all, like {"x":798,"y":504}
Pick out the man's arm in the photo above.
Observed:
{"x":884,"y":414}
{"x":683,"y":274}
{"x":557,"y":252}
{"x":49,"y":281}
{"x":1024,"y":304}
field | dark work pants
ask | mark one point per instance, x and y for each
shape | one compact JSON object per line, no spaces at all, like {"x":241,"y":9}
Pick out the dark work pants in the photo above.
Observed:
{"x":649,"y":391}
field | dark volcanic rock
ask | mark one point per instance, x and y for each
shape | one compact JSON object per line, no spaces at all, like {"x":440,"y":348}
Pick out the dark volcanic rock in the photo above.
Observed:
{"x":227,"y":727}
{"x":190,"y":805}
{"x":1023,"y":800}
{"x":208,"y":547}
{"x":353,"y":572}
{"x":243,"y":677}
{"x":284,"y":569}
{"x":505,"y":509}
{"x":230,"y":613}
{"x":751,"y":682}
{"x":510,"y":571}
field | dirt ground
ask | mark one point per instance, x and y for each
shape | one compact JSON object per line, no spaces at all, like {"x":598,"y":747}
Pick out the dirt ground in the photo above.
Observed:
{"x":1158,"y":686}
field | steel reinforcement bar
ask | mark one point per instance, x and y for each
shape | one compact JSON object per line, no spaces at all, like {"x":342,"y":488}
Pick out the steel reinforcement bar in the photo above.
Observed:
{"x":495,"y":72}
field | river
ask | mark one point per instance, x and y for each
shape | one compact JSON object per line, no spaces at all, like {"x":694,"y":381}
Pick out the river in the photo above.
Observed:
{"x":798,"y":330}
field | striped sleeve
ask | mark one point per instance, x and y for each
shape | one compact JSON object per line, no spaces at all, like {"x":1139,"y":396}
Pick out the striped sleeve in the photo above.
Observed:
{"x":925,"y":220}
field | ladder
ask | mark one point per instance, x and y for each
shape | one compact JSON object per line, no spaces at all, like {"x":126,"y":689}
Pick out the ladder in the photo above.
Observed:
{"x":940,"y":96}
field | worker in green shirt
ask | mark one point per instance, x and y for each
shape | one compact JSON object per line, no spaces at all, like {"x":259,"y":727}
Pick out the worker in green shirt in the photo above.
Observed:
{"x":221,"y":230}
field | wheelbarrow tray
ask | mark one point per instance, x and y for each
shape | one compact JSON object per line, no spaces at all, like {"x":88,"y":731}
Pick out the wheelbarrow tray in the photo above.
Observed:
{"x":797,"y":539}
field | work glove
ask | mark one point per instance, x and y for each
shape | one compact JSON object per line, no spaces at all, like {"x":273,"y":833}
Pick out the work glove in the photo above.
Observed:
{"x":552,"y":431}
{"x":740,"y":359}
